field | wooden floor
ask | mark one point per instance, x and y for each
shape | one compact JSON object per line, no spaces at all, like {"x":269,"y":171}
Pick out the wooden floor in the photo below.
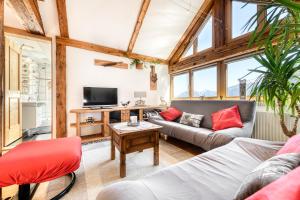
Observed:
{"x":97,"y":170}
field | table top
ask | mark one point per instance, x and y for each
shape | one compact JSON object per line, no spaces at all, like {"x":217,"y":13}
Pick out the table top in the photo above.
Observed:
{"x":123,"y":128}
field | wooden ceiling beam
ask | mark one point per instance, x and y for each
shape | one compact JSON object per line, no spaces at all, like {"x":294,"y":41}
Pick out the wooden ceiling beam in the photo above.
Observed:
{"x":25,"y":34}
{"x":138,"y":25}
{"x":190,"y":32}
{"x":28,"y":14}
{"x":62,"y":18}
{"x":107,"y":50}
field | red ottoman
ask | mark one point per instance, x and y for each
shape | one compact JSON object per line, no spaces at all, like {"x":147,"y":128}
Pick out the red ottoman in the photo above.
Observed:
{"x":40,"y":161}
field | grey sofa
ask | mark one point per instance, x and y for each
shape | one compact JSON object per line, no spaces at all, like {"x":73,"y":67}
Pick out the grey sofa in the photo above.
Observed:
{"x":205,"y":137}
{"x":214,"y":175}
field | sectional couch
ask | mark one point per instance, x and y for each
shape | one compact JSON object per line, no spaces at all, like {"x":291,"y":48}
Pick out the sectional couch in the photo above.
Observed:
{"x":214,"y":175}
{"x":204,"y":136}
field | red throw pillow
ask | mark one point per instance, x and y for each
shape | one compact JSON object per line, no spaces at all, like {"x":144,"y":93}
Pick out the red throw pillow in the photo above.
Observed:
{"x":226,"y":118}
{"x":291,"y":146}
{"x":285,"y":188}
{"x":171,"y":114}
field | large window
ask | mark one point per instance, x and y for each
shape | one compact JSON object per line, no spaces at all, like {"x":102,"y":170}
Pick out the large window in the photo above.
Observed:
{"x":181,"y":86}
{"x":205,"y":35}
{"x":189,"y":52}
{"x":237,"y":70}
{"x":241,"y":13}
{"x":205,"y":82}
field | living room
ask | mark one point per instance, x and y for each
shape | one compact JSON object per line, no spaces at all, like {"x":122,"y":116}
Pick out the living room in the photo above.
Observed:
{"x":141,"y":99}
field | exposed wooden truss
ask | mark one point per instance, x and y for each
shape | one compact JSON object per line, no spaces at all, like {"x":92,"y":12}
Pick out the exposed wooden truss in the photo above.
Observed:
{"x":107,"y":50}
{"x":105,"y":63}
{"x":62,"y":18}
{"x":61,"y":100}
{"x":23,"y":33}
{"x":138,"y":25}
{"x":29,"y":15}
{"x":190,"y":32}
{"x":231,"y":50}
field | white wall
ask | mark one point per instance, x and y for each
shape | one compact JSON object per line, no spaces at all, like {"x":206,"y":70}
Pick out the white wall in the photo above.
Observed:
{"x":81,"y":72}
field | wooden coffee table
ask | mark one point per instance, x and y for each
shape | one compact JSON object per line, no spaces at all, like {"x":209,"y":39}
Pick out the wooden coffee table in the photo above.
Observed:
{"x":132,"y":139}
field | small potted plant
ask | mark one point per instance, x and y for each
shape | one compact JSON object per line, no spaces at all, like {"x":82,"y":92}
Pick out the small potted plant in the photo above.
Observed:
{"x":138,"y":64}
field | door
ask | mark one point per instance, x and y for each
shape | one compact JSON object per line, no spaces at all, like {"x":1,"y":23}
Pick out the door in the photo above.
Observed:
{"x":12,"y":109}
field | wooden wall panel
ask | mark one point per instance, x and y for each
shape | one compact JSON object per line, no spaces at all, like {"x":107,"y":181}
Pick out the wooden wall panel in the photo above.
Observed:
{"x":61,"y":102}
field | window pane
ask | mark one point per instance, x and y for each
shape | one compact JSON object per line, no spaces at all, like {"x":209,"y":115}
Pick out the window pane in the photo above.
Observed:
{"x":189,"y":52}
{"x":237,"y":70}
{"x":241,"y":13}
{"x":205,"y":82}
{"x":270,"y":12}
{"x":181,"y":86}
{"x":205,"y":36}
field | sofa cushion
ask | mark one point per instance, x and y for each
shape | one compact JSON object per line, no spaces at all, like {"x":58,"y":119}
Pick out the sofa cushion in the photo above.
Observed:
{"x":171,"y":114}
{"x":291,"y":146}
{"x":227,"y":118}
{"x":207,"y":107}
{"x":285,"y":188}
{"x":216,"y":174}
{"x":266,"y":173}
{"x":191,"y":119}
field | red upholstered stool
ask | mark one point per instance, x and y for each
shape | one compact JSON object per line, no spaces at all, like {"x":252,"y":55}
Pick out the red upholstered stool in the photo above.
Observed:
{"x":40,"y":161}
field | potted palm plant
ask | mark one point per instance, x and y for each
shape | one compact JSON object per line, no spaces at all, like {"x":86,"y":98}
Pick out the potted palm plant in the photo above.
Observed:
{"x":278,"y":83}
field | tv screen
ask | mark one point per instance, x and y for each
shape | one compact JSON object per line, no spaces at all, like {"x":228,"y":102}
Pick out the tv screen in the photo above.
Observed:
{"x":93,"y":96}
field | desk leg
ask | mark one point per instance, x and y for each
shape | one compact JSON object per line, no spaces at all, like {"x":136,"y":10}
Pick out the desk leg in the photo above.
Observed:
{"x":122,"y":165}
{"x":112,"y":146}
{"x":156,"y":149}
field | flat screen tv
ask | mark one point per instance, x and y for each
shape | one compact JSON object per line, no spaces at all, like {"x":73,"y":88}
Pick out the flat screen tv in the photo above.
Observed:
{"x":95,"y":97}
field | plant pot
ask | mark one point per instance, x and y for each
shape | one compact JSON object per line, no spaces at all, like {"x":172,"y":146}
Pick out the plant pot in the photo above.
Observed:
{"x":139,"y":66}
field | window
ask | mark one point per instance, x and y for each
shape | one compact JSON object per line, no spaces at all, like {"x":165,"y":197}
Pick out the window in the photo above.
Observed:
{"x":205,"y":35}
{"x":205,"y":82}
{"x":181,"y":86}
{"x":241,"y":13}
{"x":237,"y":70}
{"x":271,"y":13}
{"x":189,"y":52}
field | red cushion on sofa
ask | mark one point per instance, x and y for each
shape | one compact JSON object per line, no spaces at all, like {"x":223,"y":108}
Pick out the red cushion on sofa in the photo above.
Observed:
{"x":284,"y":188}
{"x":171,"y":114}
{"x":227,"y":118}
{"x":40,"y":161}
{"x":291,"y":146}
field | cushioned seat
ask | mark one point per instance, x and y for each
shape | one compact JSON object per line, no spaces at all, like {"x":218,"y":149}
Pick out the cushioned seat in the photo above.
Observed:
{"x":214,"y":175}
{"x":40,"y":161}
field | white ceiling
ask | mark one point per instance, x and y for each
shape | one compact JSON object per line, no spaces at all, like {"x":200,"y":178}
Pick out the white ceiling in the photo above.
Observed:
{"x":111,"y":23}
{"x":164,"y":25}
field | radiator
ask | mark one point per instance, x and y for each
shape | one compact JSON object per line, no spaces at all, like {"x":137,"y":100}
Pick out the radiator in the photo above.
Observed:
{"x":267,"y":126}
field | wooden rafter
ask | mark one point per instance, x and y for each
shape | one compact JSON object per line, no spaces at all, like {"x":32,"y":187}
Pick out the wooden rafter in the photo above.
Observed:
{"x":23,"y":33}
{"x":138,"y":25}
{"x":105,"y":63}
{"x":107,"y":50}
{"x":29,"y":15}
{"x":191,"y":31}
{"x":62,"y":18}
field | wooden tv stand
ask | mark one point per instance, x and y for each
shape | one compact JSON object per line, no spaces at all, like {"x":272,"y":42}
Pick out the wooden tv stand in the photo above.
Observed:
{"x":104,"y":132}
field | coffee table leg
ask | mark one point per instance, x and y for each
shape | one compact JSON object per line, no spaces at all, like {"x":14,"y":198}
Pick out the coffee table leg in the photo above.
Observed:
{"x":112,"y":146}
{"x":156,"y":149}
{"x":122,"y":165}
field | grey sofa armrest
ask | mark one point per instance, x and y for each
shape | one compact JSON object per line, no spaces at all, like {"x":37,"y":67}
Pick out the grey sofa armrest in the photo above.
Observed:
{"x":222,"y":137}
{"x":246,"y":131}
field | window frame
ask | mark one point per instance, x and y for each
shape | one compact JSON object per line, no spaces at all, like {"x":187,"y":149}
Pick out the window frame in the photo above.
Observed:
{"x":172,"y":86}
{"x":228,"y":22}
{"x":226,"y":62}
{"x":192,"y":81}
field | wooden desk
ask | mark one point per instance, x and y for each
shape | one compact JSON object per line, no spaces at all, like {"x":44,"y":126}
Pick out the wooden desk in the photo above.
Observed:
{"x":103,"y":124}
{"x":133,"y":139}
